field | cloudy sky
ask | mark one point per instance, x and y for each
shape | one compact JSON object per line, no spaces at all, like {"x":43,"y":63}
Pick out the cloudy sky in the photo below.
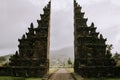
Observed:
{"x":16,"y":16}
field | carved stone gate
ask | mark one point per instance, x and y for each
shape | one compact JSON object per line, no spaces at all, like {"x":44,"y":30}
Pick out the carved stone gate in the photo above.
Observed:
{"x":91,"y":56}
{"x":32,"y":59}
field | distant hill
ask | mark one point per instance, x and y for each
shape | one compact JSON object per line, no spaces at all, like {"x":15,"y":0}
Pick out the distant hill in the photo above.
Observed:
{"x":60,"y":57}
{"x":4,"y":59}
{"x":57,"y":57}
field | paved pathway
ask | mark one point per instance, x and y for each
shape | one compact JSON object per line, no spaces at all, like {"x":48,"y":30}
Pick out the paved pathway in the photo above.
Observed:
{"x":61,"y":74}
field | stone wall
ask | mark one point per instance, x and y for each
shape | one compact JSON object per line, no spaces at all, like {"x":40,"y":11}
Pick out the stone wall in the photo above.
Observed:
{"x":5,"y":71}
{"x":101,"y":71}
{"x":23,"y":71}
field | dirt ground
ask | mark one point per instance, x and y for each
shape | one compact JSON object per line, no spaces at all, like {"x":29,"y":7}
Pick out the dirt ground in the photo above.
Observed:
{"x":61,"y":74}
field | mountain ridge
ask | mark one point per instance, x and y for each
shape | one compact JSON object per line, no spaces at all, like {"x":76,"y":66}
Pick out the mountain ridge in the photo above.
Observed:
{"x":57,"y":57}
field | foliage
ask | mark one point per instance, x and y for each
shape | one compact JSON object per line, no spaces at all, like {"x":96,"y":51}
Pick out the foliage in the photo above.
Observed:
{"x":69,"y":61}
{"x":4,"y":60}
{"x":109,"y":48}
{"x":102,"y":79}
{"x":78,"y":77}
{"x":116,"y":56}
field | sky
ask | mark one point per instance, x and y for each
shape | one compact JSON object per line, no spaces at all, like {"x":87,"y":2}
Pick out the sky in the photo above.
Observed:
{"x":16,"y":16}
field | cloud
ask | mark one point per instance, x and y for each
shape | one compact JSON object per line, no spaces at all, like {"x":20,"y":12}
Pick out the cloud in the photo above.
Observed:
{"x":106,"y":17}
{"x":62,"y":26}
{"x":115,"y":2}
{"x":16,"y":16}
{"x":89,"y":2}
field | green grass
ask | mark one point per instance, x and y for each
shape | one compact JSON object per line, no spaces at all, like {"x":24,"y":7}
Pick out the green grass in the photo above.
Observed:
{"x":102,"y":79}
{"x":51,"y":70}
{"x":78,"y":77}
{"x":18,"y":78}
{"x":11,"y":78}
{"x":34,"y":79}
{"x":71,"y":70}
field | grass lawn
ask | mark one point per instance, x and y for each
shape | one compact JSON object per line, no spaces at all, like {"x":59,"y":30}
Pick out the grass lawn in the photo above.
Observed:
{"x":34,"y":79}
{"x":18,"y":78}
{"x":78,"y":77}
{"x":51,"y":70}
{"x":11,"y":78}
{"x":102,"y":79}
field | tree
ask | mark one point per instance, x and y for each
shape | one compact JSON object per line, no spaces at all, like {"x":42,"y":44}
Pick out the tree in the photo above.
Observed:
{"x":109,"y":48}
{"x":69,"y":62}
{"x":109,"y":59}
{"x":116,"y":56}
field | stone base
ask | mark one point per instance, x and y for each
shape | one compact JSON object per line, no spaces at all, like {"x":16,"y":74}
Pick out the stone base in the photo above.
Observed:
{"x":99,"y":71}
{"x":23,"y":71}
{"x":5,"y":71}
